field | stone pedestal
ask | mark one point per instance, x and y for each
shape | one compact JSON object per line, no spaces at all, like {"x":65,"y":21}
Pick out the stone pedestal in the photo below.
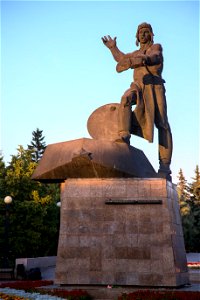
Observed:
{"x":120,"y":231}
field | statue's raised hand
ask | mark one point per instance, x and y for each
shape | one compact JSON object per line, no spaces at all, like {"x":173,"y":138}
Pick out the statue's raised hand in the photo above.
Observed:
{"x":109,"y":42}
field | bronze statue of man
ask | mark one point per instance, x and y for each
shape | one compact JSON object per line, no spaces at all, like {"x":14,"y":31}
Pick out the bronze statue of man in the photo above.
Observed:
{"x":147,"y":91}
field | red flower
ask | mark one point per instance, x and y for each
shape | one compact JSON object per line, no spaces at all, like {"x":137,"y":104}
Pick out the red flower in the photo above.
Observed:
{"x":160,"y":295}
{"x":25,"y":285}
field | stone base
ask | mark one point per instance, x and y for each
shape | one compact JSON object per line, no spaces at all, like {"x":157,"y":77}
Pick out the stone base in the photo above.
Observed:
{"x":88,"y":158}
{"x":123,"y":231}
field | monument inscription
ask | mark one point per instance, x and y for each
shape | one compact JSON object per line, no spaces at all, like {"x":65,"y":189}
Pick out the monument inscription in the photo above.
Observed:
{"x":135,"y":202}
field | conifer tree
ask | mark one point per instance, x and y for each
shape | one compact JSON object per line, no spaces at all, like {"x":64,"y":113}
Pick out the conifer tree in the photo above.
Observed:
{"x":182,"y":188}
{"x":37,"y":145}
{"x":194,"y":203}
{"x":2,"y":177}
{"x":189,"y":197}
{"x":195,"y":186}
{"x":187,"y":222}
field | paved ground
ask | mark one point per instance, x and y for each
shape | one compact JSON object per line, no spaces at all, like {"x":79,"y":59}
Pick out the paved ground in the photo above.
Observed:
{"x":105,"y":293}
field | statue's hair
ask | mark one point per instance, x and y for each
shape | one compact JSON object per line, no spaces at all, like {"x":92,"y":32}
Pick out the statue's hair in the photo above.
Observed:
{"x":143,"y":25}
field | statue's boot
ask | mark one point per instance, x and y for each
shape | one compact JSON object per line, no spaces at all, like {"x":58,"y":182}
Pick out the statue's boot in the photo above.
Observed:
{"x":124,"y":121}
{"x":165,"y":152}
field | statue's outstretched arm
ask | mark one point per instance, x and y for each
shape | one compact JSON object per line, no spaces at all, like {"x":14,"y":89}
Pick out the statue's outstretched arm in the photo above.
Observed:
{"x":112,"y":45}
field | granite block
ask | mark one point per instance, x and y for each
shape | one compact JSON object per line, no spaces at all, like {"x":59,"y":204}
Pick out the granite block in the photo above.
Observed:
{"x":156,"y":266}
{"x":96,"y":214}
{"x":95,"y":277}
{"x":76,"y":187}
{"x":158,"y":226}
{"x":73,"y":276}
{"x":143,"y":266}
{"x":168,"y":260}
{"x":120,"y":278}
{"x":109,"y":264}
{"x":95,"y":227}
{"x":114,"y":188}
{"x":95,"y":259}
{"x":77,"y":227}
{"x":108,"y":277}
{"x":109,"y":214}
{"x":164,"y":240}
{"x":165,"y":215}
{"x":144,"y":216}
{"x":131,"y":227}
{"x":89,"y":241}
{"x":125,"y":264}
{"x":145,"y":228}
{"x":126,"y":240}
{"x":150,"y":279}
{"x":119,"y":227}
{"x":75,"y":264}
{"x":132,"y":189}
{"x":132,"y":278}
{"x":113,"y":227}
{"x":108,"y":251}
{"x":171,"y":279}
{"x":70,"y":240}
{"x":143,"y":240}
{"x":144,"y":189}
{"x":157,"y":253}
{"x":120,"y":217}
{"x":121,"y":252}
{"x":96,"y":190}
{"x":82,"y":277}
{"x":132,"y":253}
{"x":127,"y":244}
{"x":158,"y":188}
{"x":167,"y":228}
{"x":131,"y":214}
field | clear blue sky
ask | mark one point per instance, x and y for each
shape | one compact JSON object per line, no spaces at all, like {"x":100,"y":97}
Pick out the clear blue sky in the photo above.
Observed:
{"x":55,"y":70}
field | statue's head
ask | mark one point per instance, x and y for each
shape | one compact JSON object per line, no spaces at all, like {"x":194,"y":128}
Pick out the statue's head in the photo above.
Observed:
{"x":144,"y":25}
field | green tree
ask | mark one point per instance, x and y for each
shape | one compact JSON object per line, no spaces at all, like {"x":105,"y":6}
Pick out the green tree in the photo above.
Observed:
{"x":182,"y":189}
{"x":189,"y":197}
{"x":18,"y":175}
{"x":195,"y":185}
{"x":34,"y":216}
{"x":34,"y":229}
{"x":2,"y":178}
{"x":37,"y":145}
{"x":194,"y":203}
